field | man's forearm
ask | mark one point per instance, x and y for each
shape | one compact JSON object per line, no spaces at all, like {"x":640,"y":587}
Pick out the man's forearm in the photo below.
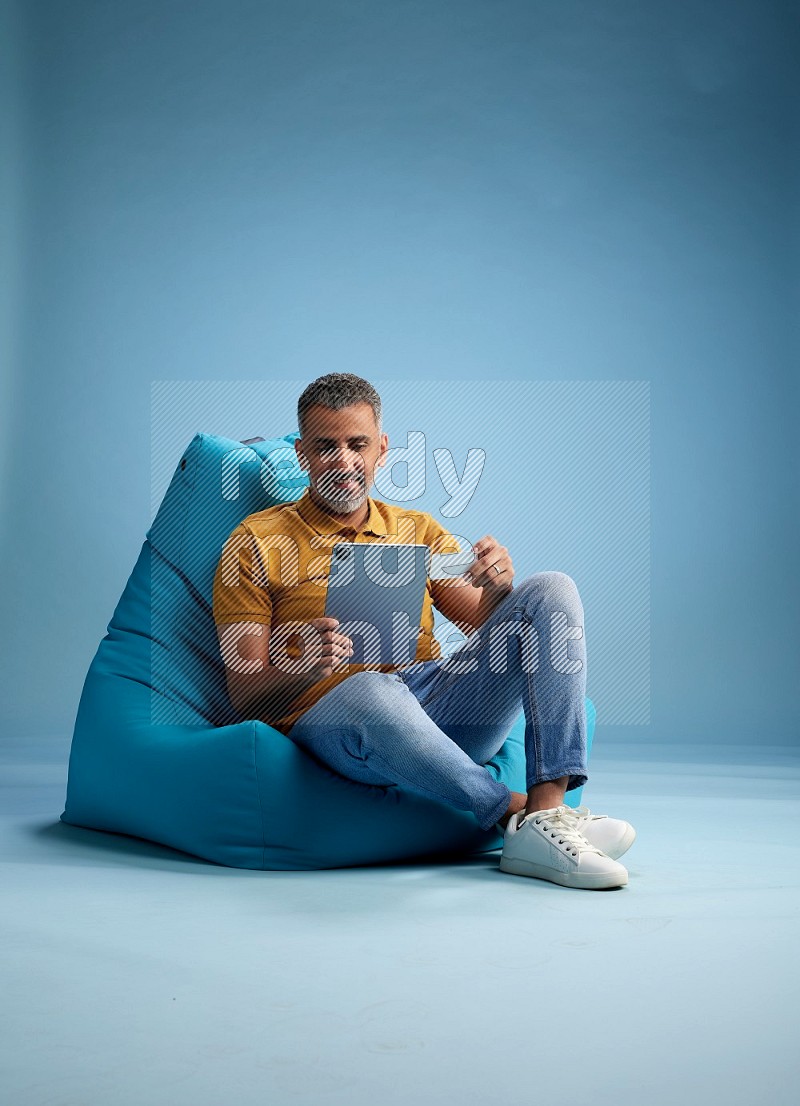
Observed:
{"x":487,"y":604}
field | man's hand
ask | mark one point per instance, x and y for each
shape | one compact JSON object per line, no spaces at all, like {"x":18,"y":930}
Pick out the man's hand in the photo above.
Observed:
{"x":470,"y":598}
{"x":260,"y":689}
{"x":492,"y":569}
{"x":336,"y":648}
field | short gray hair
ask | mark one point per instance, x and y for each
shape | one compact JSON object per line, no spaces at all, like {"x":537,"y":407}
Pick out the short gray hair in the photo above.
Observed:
{"x":338,"y":390}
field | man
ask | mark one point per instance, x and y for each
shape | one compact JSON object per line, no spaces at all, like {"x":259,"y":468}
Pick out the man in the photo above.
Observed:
{"x":433,"y":724}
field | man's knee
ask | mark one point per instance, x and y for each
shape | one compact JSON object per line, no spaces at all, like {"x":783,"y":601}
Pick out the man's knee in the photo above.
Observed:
{"x":373,"y":693}
{"x":555,"y":589}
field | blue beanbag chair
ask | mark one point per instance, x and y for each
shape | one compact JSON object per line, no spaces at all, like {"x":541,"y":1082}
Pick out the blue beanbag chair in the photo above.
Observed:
{"x":158,"y":752}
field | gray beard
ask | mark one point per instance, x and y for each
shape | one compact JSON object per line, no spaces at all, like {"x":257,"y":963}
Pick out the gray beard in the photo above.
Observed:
{"x":343,"y":506}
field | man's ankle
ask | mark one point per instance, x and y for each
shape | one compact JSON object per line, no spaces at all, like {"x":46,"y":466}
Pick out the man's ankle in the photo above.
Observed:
{"x":517,"y":803}
{"x":546,"y":795}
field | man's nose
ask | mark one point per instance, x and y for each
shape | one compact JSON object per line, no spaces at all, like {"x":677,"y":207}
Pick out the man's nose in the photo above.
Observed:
{"x":347,"y":461}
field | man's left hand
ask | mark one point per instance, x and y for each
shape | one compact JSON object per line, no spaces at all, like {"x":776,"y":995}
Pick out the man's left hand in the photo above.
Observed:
{"x":492,"y":569}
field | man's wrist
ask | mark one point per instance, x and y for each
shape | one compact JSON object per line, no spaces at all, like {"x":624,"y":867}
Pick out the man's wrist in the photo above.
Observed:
{"x":488,"y":601}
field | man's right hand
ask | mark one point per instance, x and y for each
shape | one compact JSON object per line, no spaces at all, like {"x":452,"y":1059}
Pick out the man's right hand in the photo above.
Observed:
{"x":256,"y":687}
{"x":336,"y":647}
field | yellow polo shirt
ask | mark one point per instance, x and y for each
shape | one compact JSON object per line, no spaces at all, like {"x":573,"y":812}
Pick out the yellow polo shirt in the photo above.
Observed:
{"x":274,"y":564}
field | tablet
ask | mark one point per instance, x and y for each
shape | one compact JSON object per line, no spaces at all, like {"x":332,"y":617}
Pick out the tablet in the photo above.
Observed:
{"x":377,"y":590}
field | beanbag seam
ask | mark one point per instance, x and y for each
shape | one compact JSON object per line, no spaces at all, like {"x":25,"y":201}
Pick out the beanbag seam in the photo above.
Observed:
{"x":254,"y":725}
{"x":188,"y":498}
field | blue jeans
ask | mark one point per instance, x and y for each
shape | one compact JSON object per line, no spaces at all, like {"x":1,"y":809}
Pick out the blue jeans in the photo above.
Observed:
{"x":433,"y":725}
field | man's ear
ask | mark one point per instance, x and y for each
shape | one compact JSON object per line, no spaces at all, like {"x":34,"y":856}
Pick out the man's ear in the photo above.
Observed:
{"x":301,"y":457}
{"x":384,"y":450}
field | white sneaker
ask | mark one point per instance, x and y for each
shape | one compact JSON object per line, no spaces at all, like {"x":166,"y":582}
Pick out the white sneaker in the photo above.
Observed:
{"x":611,"y":836}
{"x":547,"y":845}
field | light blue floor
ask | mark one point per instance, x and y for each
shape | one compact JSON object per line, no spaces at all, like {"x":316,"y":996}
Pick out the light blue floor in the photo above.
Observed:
{"x":136,"y":975}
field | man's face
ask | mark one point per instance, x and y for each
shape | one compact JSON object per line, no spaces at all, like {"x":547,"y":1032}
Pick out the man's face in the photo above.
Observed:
{"x":340,"y":450}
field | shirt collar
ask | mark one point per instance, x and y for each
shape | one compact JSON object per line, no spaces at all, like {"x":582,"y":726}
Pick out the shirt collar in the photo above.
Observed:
{"x":324,"y":523}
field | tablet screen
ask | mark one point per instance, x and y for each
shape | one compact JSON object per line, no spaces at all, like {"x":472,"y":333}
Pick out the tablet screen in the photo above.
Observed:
{"x":377,"y":590}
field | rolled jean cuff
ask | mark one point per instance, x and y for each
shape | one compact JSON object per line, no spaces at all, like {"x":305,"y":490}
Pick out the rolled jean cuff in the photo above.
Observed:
{"x":499,"y":810}
{"x":577,"y":778}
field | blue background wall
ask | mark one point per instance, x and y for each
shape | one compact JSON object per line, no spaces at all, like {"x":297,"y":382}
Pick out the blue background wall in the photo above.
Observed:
{"x":467,"y":191}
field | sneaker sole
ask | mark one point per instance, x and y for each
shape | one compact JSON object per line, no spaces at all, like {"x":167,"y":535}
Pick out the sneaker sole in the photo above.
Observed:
{"x":582,"y":880}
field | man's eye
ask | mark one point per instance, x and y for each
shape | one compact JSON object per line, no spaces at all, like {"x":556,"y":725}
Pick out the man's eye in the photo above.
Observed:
{"x":330,"y":451}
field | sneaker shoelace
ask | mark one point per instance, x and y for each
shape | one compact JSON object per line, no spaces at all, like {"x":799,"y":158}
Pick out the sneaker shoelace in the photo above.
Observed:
{"x":582,"y":813}
{"x":561,"y":825}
